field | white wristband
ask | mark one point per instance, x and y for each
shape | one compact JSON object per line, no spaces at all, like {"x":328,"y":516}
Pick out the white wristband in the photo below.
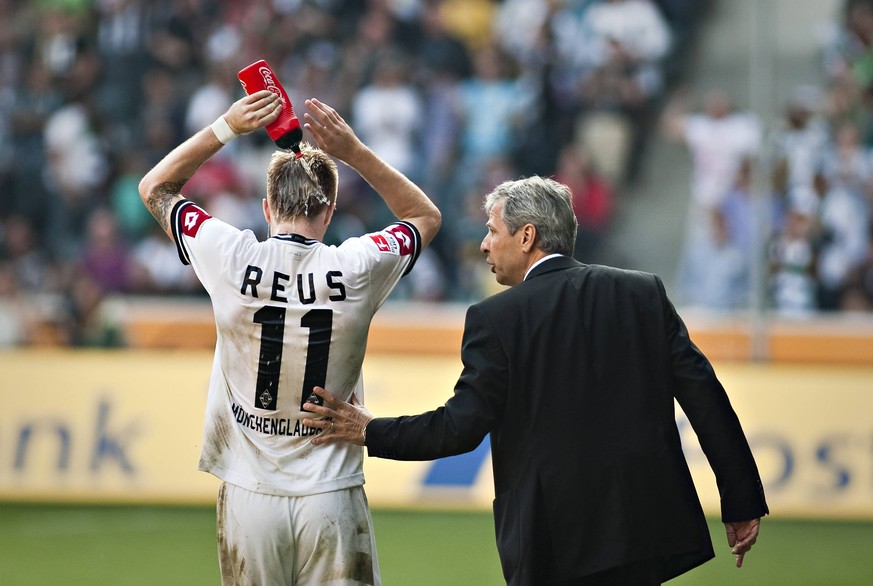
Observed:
{"x":223,"y":132}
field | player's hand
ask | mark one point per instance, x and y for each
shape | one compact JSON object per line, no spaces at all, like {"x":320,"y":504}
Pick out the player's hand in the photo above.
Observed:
{"x":342,"y":421}
{"x":741,"y":536}
{"x":252,"y":112}
{"x":332,"y":134}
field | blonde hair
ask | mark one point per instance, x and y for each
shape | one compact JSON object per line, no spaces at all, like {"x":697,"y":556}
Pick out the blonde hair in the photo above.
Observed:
{"x":301,"y":187}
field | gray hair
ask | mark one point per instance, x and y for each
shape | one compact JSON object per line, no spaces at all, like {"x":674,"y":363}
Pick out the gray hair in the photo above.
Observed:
{"x":540,"y":201}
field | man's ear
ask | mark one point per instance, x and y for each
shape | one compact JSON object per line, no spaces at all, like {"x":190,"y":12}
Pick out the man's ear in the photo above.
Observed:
{"x":266,"y":207}
{"x":528,"y":237}
{"x":329,"y":215}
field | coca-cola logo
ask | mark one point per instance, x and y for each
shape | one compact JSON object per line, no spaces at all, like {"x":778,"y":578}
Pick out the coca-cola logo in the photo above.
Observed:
{"x":270,"y":82}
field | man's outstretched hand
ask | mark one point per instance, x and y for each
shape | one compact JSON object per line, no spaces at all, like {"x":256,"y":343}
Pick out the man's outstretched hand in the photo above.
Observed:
{"x":741,"y":536}
{"x":341,"y":421}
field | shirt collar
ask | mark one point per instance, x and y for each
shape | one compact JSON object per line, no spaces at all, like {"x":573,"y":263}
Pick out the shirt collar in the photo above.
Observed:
{"x":539,"y":262}
{"x":294,"y":237}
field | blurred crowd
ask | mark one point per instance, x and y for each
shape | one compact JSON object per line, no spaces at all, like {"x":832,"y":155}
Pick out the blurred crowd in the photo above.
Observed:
{"x":813,"y":227}
{"x":457,"y":94}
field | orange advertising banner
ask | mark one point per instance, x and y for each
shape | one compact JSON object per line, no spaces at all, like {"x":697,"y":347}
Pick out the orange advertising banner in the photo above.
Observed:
{"x":126,"y":426}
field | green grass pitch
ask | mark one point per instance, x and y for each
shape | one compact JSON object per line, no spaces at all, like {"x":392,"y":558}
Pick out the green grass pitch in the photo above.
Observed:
{"x":138,"y":545}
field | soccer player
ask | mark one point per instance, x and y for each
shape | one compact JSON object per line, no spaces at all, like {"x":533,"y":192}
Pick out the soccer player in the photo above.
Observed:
{"x":290,"y":313}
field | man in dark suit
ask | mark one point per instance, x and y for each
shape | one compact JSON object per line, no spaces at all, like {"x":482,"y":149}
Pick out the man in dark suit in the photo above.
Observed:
{"x":573,"y":371}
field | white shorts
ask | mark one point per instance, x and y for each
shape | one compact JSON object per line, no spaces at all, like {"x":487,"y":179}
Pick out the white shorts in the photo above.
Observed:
{"x":266,"y":540}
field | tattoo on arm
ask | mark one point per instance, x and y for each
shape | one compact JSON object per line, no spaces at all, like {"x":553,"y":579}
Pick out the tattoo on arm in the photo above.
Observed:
{"x":161,"y":201}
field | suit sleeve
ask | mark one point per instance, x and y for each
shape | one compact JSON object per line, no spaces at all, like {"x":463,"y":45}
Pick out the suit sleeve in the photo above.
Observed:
{"x":706,"y":404}
{"x":461,"y":424}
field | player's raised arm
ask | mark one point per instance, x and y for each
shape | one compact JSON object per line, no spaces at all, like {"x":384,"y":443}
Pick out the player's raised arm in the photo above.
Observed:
{"x":161,"y":187}
{"x":403,"y":197}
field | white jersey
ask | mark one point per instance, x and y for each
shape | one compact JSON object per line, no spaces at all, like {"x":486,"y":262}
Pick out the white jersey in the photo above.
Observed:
{"x":290,"y":313}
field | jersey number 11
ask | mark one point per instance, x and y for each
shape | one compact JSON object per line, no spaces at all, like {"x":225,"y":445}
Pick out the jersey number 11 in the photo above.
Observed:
{"x":272,"y":320}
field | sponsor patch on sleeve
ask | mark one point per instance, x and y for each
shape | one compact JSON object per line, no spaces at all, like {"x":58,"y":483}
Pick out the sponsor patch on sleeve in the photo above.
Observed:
{"x":397,"y":239}
{"x":405,"y":238}
{"x":192,"y":217}
{"x":381,"y":242}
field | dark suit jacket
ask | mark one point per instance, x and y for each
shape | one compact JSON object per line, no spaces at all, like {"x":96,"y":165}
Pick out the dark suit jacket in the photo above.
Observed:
{"x":573,"y":373}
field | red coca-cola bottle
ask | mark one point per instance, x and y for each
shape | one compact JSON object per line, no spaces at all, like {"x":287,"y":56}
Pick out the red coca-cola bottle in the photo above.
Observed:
{"x":285,"y":130}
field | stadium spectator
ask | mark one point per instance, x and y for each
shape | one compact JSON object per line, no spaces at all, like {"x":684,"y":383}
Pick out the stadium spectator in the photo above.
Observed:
{"x":521,"y":27}
{"x":442,"y":62}
{"x":472,"y":279}
{"x":219,"y":185}
{"x":620,"y":56}
{"x":550,"y":122}
{"x":161,"y":121}
{"x":377,"y":32}
{"x":471,"y":21}
{"x":845,"y":162}
{"x":490,"y":106}
{"x":858,"y":292}
{"x":439,"y":51}
{"x":792,"y":262}
{"x":32,"y":266}
{"x":105,"y":256}
{"x":724,"y":285}
{"x":177,"y":36}
{"x":719,"y":140}
{"x":63,"y":45}
{"x":844,"y":183}
{"x":156,"y":268}
{"x":89,"y":318}
{"x":842,"y":230}
{"x":847,"y":54}
{"x":800,"y":141}
{"x":388,"y":114}
{"x":593,"y":199}
{"x":316,"y":73}
{"x":684,"y":18}
{"x":122,"y":37}
{"x":15,"y":310}
{"x":133,"y":221}
{"x":737,"y":210}
{"x":69,"y":63}
{"x":207,"y":102}
{"x":7,"y":153}
{"x":77,"y":169}
{"x":31,"y":103}
{"x":388,"y":111}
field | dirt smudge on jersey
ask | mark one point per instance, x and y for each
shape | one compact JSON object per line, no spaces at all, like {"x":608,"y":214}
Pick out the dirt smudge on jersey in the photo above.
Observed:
{"x":217,"y":441}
